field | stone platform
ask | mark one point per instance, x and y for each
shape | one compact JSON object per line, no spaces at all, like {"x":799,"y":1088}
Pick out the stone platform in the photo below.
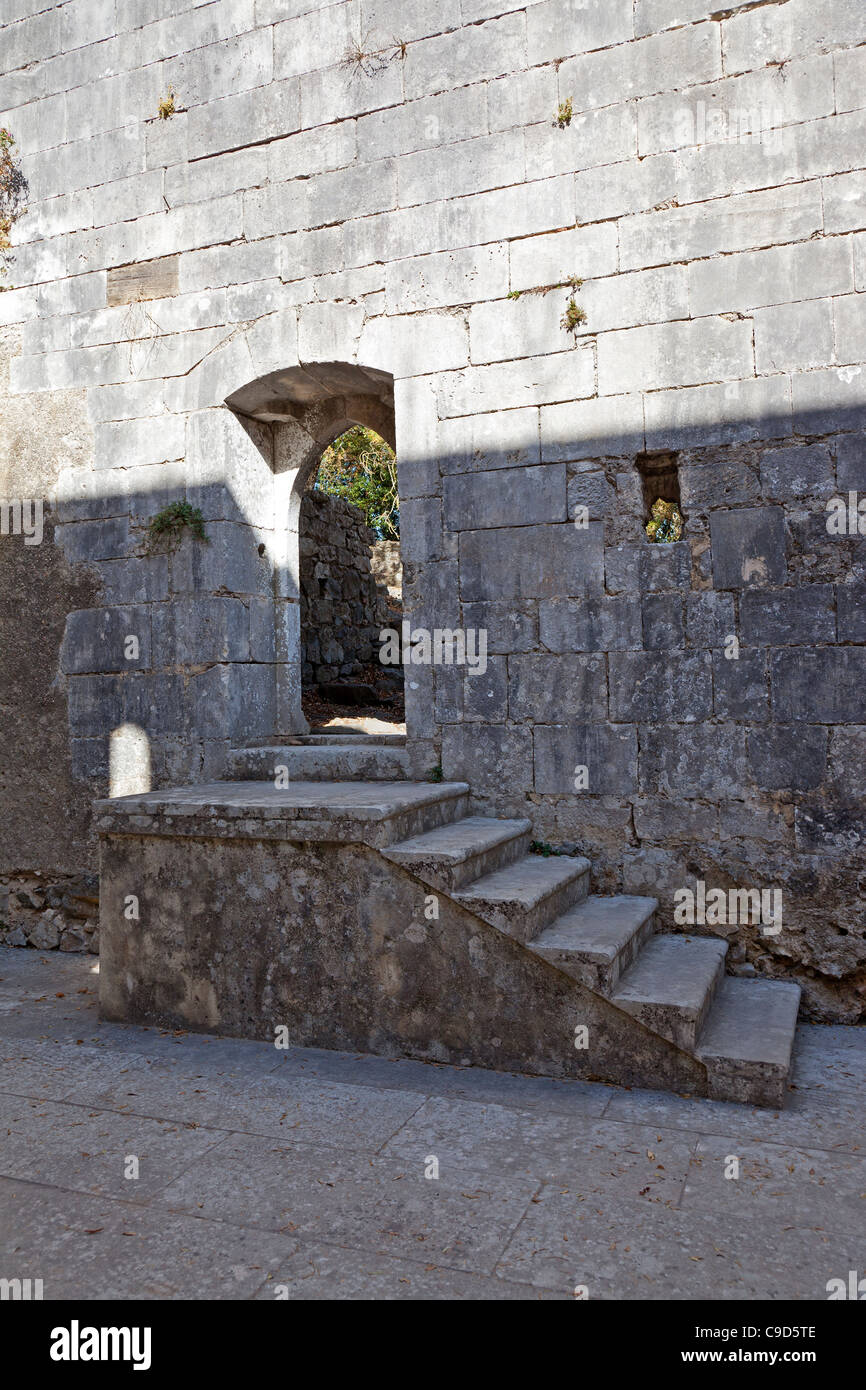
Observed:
{"x":384,"y":917}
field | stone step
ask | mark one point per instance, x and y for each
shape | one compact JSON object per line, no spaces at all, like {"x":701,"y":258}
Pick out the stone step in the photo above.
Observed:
{"x":322,"y":762}
{"x":527,"y":896}
{"x":597,"y":940}
{"x":748,"y":1039}
{"x":456,"y":855}
{"x":670,"y":987}
{"x":371,"y":813}
{"x":356,"y":740}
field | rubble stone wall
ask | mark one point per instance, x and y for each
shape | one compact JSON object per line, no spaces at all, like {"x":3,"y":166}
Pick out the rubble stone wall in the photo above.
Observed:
{"x":343,"y":609}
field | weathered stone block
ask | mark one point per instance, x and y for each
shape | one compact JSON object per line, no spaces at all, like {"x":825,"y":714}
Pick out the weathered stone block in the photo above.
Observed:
{"x":95,"y":705}
{"x":726,"y":484}
{"x":229,"y":561}
{"x":590,"y":624}
{"x":485,"y":696}
{"x":600,"y":427}
{"x":794,"y":337}
{"x":106,"y":639}
{"x":662,"y":621}
{"x":848,"y":759}
{"x":156,"y":279}
{"x":675,"y":354}
{"x":608,"y":752}
{"x":531,"y":562}
{"x":592,"y":492}
{"x":790,"y":474}
{"x":788,"y":617}
{"x":193,"y":631}
{"x":646,"y":686}
{"x":507,"y":497}
{"x":824,"y":685}
{"x":740,"y":685}
{"x":509,"y":627}
{"x":709,"y":619}
{"x":749,"y":547}
{"x":159,"y":704}
{"x":664,"y":566}
{"x":557,"y":688}
{"x":558,"y":28}
{"x":708,"y":760}
{"x":851,"y":614}
{"x":739,"y":411}
{"x":851,"y":463}
{"x":788,"y":756}
{"x":491,"y":757}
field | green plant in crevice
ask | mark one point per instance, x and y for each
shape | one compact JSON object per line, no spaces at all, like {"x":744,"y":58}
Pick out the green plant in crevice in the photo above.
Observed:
{"x":13,"y":193}
{"x":167,"y":528}
{"x":574,"y":315}
{"x":564,"y":113}
{"x":435,"y":774}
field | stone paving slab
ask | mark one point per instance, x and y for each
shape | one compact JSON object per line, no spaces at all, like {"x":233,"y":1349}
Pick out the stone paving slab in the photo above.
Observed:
{"x":85,"y":1150}
{"x":388,"y":1206}
{"x":306,"y":1169}
{"x":599,"y":1156}
{"x":84,"y":1247}
{"x":637,"y":1249}
{"x":329,"y":1271}
{"x":282,"y":1106}
{"x":816,"y":1119}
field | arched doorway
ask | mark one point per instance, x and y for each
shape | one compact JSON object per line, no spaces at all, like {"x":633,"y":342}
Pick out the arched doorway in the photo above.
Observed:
{"x":306,"y":409}
{"x":351,"y":588}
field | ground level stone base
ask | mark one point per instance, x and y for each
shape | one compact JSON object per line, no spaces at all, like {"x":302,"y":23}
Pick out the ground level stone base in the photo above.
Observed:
{"x":330,"y":943}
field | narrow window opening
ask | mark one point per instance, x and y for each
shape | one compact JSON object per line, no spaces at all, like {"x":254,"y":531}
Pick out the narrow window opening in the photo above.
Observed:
{"x":661,"y":485}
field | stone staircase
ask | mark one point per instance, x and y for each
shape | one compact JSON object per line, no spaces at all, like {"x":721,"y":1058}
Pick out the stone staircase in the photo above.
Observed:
{"x":740,"y":1030}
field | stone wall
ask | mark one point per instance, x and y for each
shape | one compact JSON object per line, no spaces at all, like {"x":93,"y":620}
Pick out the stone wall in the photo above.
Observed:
{"x":387,"y":566}
{"x":343,"y":608}
{"x":399,"y":235}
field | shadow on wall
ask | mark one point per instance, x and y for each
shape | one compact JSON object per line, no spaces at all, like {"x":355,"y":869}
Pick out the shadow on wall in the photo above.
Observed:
{"x":609,"y":658}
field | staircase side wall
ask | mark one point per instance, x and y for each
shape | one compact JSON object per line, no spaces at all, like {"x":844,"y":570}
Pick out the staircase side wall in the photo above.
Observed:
{"x":346,"y":959}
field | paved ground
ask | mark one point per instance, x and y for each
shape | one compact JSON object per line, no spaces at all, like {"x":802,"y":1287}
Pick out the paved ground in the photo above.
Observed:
{"x":302,"y":1174}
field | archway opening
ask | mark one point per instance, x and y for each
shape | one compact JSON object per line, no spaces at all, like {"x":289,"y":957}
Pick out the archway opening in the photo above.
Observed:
{"x":350,"y":588}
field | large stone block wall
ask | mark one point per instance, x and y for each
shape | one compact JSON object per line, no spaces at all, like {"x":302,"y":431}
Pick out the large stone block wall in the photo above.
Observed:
{"x":404,"y":215}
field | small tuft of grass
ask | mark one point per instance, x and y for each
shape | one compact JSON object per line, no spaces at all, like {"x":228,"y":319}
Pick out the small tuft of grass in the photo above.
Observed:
{"x":564,"y":113}
{"x":574,"y":316}
{"x":169,"y":525}
{"x":434,"y":774}
{"x":542,"y":847}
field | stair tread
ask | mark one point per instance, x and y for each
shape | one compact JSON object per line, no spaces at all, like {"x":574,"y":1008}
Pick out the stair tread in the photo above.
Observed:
{"x":370,"y":800}
{"x":597,"y":928}
{"x":342,"y":740}
{"x":674,"y":971}
{"x":460,"y":840}
{"x":752,"y":1021}
{"x":528,"y":881}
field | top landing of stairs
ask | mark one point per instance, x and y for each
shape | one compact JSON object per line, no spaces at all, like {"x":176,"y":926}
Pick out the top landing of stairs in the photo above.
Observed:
{"x":375,"y":813}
